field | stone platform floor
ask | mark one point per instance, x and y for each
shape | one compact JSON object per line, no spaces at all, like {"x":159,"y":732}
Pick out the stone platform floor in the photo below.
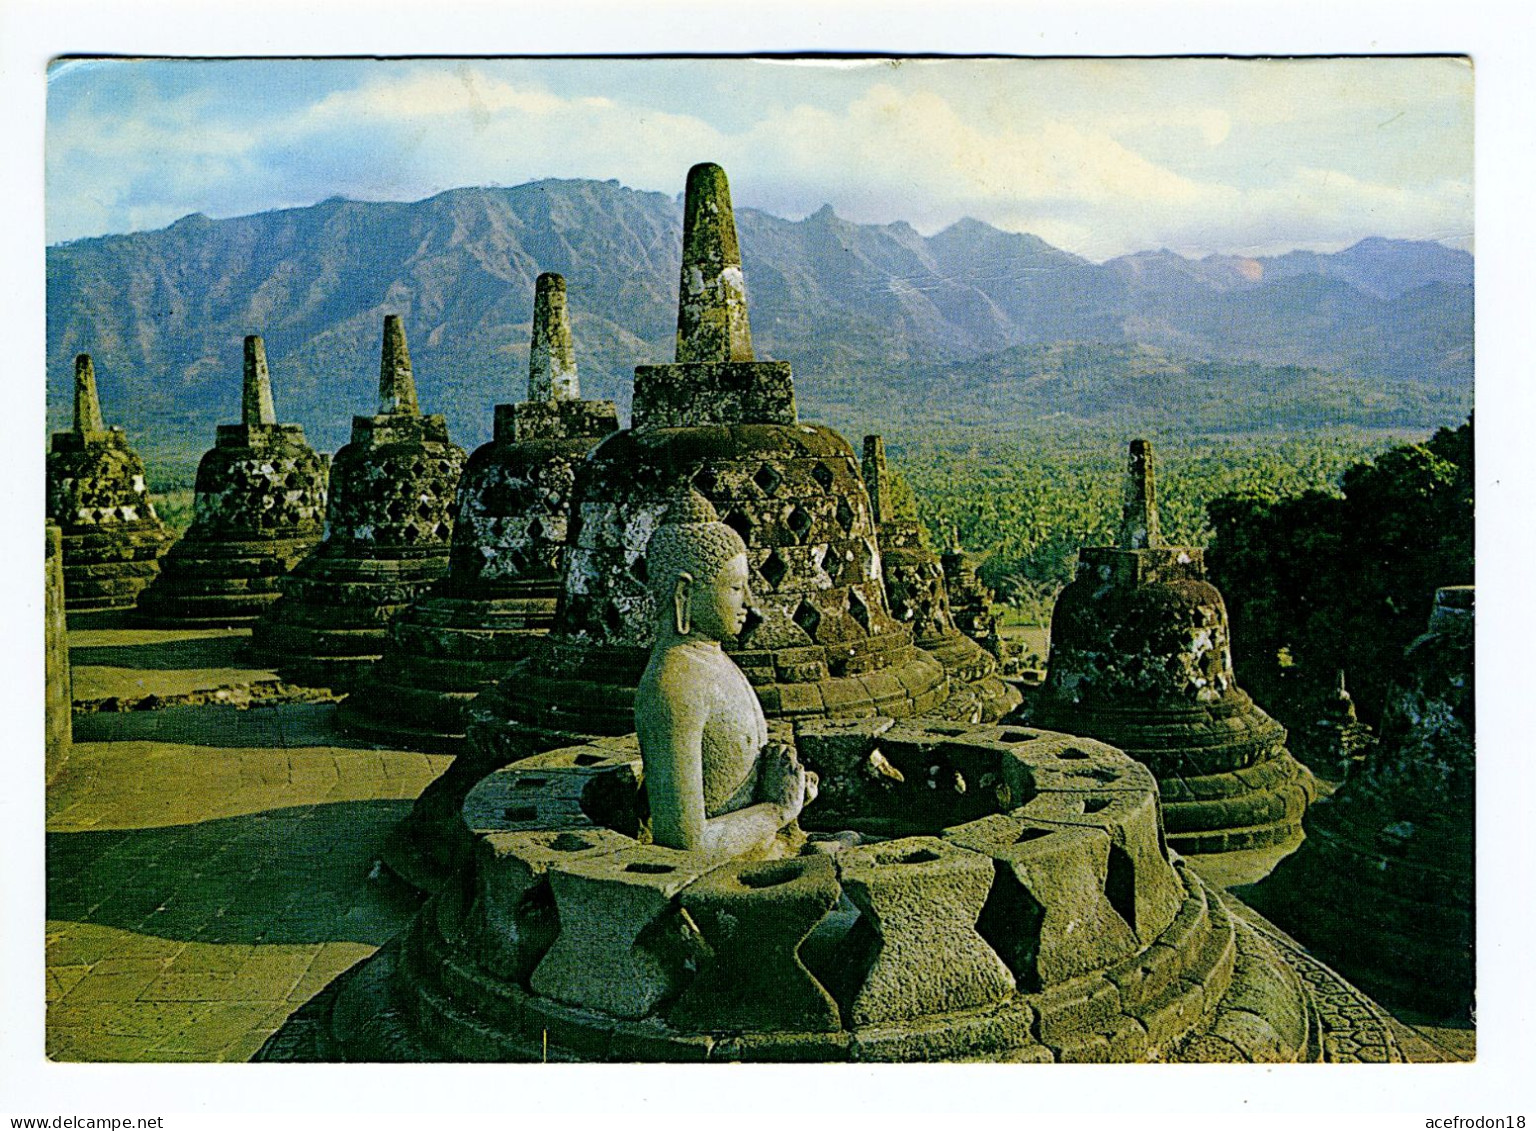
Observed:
{"x":211,"y":865}
{"x":116,"y":666}
{"x":209,"y":872}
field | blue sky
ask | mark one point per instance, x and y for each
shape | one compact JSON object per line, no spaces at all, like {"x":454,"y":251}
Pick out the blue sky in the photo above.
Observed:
{"x":1100,"y":157}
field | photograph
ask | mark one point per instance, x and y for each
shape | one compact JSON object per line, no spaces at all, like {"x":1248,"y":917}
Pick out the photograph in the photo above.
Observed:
{"x":834,"y":559}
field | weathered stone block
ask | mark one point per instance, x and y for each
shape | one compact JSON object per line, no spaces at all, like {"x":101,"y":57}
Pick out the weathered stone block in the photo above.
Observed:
{"x":693,"y":394}
{"x":1075,"y":1007}
{"x":782,"y":1048}
{"x":752,"y":917}
{"x":983,"y":1035}
{"x":515,"y":908}
{"x":1172,"y":1014}
{"x":1049,"y":914}
{"x":622,"y":948}
{"x":919,"y":899}
{"x":60,"y":700}
{"x":1145,"y":885}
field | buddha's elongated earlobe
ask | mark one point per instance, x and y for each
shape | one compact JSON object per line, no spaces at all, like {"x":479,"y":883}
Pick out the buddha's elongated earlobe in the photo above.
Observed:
{"x":682,"y":612}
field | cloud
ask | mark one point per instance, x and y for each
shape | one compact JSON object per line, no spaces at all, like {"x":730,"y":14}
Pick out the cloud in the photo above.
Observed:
{"x":1101,"y":158}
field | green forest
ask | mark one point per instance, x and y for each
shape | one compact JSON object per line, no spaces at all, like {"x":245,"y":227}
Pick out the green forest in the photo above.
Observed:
{"x":1025,"y":500}
{"x":1327,"y":548}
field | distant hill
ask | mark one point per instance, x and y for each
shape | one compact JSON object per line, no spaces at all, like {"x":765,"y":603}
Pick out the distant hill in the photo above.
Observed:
{"x":1140,"y":387}
{"x":965,"y":325}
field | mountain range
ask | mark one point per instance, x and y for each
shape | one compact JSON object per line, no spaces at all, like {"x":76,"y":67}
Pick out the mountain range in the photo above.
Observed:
{"x":968,"y":326}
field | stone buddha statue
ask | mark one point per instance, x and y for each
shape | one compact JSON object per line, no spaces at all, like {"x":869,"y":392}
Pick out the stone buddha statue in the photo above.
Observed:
{"x":714,"y":782}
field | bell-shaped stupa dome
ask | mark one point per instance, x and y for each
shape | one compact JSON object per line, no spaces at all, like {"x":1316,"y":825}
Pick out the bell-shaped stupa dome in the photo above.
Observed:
{"x":1141,"y":658}
{"x":821,"y":640}
{"x":259,"y":508}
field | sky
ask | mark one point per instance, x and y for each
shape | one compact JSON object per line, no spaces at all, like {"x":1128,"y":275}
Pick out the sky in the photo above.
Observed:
{"x":1099,"y":157}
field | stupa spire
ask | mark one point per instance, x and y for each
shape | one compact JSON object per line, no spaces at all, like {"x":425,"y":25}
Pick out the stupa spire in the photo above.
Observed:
{"x":87,"y":404}
{"x":397,"y":387}
{"x":552,"y":356}
{"x":877,"y":479}
{"x":712,"y":300}
{"x":256,"y":406}
{"x":1138,"y":518}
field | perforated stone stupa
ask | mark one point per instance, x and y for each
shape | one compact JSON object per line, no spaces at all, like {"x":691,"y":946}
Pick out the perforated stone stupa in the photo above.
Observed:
{"x":98,"y":496}
{"x":821,"y":640}
{"x":1384,"y":885}
{"x":259,"y":508}
{"x":388,"y":525}
{"x":970,"y":601}
{"x":919,"y":598}
{"x":509,"y":535}
{"x":1141,"y":659}
{"x":1332,"y":740}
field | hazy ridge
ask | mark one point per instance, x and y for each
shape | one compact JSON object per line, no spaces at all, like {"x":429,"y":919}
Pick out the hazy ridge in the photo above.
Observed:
{"x":884,"y":325}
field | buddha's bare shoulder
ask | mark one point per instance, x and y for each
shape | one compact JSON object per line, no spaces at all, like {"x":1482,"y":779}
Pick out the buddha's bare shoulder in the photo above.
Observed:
{"x":685,"y":676}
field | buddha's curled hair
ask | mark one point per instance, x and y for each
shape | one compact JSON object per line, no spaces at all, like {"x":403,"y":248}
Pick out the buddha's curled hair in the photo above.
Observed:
{"x":691,"y":539}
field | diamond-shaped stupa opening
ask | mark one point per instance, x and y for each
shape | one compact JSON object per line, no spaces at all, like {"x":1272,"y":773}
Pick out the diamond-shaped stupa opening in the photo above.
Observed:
{"x":845,"y":516}
{"x":705,"y":482}
{"x":824,"y":476}
{"x":774,"y":569}
{"x":807,"y":616}
{"x":768,"y":478}
{"x":800,"y":523}
{"x":858,"y":609}
{"x":739,"y":522}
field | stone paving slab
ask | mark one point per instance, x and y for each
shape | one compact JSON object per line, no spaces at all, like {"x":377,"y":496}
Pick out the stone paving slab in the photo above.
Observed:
{"x":210,"y":869}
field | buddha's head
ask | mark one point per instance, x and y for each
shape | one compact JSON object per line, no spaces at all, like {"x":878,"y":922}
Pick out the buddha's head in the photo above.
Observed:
{"x":697,"y":568}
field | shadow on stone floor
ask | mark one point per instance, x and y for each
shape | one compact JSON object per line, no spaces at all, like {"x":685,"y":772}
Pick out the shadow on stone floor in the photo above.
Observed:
{"x":287,"y":726}
{"x":298,"y":875}
{"x":96,"y":620}
{"x":198,"y":652}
